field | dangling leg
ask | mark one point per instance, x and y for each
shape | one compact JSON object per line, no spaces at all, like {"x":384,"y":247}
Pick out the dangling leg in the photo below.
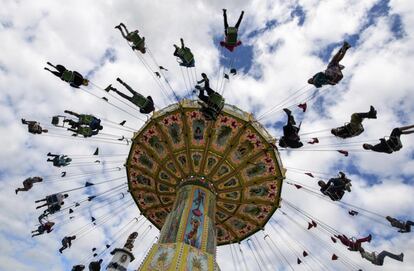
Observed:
{"x":122,"y":95}
{"x":50,"y":64}
{"x":291,"y":120}
{"x":383,"y":254}
{"x":20,"y":190}
{"x":239,"y":21}
{"x":405,"y":128}
{"x":72,"y":113}
{"x":226,"y":25}
{"x":126,"y":86}
{"x":40,"y":206}
{"x":121,"y":30}
{"x":201,"y":95}
{"x":126,"y":29}
{"x":371,"y":114}
{"x":58,"y":74}
{"x":362,"y":240}
{"x":60,"y":68}
{"x":340,"y":54}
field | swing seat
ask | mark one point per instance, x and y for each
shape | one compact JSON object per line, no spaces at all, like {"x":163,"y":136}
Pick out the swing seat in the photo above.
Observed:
{"x":231,"y":37}
{"x":348,"y":131}
{"x":212,"y":109}
{"x":58,"y":121}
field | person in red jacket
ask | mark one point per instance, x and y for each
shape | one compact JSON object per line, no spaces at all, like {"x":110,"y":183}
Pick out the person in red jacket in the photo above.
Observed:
{"x":231,"y":41}
{"x":353,"y":245}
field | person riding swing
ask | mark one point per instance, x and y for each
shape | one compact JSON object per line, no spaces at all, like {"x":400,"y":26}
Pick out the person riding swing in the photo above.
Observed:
{"x":213,"y":103}
{"x":74,"y":78}
{"x":185,"y":55}
{"x":354,"y":128}
{"x":138,"y":42}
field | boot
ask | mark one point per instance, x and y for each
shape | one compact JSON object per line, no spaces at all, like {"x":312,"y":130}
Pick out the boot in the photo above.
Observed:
{"x":372,"y":114}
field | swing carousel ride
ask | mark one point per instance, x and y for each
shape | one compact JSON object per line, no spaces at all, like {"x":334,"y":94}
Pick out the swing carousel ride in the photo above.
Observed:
{"x":202,"y":180}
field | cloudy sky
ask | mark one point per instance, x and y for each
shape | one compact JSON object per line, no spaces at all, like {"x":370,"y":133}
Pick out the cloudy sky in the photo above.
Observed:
{"x":284,"y":43}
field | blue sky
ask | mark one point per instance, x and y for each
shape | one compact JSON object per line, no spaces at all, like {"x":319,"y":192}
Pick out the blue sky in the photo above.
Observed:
{"x":284,"y":43}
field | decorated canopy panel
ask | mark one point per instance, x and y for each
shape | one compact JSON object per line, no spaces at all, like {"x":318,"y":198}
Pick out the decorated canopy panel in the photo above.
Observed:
{"x":234,"y":153}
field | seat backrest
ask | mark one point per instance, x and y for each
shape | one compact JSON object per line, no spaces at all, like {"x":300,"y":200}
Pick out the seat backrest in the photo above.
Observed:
{"x":231,"y":37}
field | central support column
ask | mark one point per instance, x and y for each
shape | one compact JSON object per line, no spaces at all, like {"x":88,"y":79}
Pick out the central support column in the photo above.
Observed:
{"x":188,"y":238}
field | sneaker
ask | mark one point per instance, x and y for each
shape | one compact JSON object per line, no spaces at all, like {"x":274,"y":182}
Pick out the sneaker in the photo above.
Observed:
{"x":369,"y":238}
{"x":224,"y":10}
{"x":402,"y":256}
{"x":372,"y":114}
{"x":16,"y":194}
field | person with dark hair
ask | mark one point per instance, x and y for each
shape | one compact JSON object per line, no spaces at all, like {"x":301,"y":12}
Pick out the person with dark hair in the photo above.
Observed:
{"x":54,"y":199}
{"x":354,"y":128}
{"x":185,"y":55}
{"x":28,"y":183}
{"x":336,"y":187}
{"x":378,"y":259}
{"x":95,"y":266}
{"x":67,"y":242}
{"x":74,"y":78}
{"x":231,"y":40}
{"x":403,"y":226}
{"x":333,"y":74}
{"x":213,"y":102}
{"x":34,"y":127}
{"x":59,"y":160}
{"x":138,"y":43}
{"x":146,"y":105}
{"x":84,"y":119}
{"x":351,"y":243}
{"x":46,"y":227}
{"x":392,"y":144}
{"x":290,"y":136}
